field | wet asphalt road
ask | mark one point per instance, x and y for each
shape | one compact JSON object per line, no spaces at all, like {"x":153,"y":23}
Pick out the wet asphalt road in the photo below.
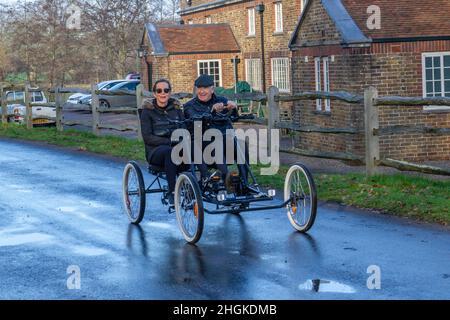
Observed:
{"x":61,"y":209}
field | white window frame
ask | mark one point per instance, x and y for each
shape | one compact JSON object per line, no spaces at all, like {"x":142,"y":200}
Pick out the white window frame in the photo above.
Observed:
{"x":251,"y":22}
{"x":303,"y":4}
{"x":257,"y":73}
{"x":278,"y":7}
{"x":318,"y":77}
{"x":322,"y":76}
{"x":288,"y":78}
{"x":208,"y":20}
{"x":424,"y":78}
{"x":326,"y":81}
{"x":210,"y":61}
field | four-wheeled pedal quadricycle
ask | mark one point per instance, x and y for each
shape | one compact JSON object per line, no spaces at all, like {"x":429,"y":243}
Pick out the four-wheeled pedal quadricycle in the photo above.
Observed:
{"x":194,"y":197}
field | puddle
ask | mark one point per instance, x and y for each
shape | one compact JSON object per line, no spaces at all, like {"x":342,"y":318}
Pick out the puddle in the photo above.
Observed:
{"x":161,"y":225}
{"x":19,"y":239}
{"x":95,"y":204}
{"x":18,"y":188}
{"x":318,"y":285}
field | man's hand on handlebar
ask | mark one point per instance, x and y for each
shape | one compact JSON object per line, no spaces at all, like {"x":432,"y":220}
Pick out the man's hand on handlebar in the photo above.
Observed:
{"x":231,"y":105}
{"x":219,"y":107}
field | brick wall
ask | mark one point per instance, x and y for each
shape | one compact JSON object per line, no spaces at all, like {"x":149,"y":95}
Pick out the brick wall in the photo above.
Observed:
{"x":393,"y":68}
{"x":182,"y":70}
{"x":276,"y":45}
{"x":317,"y":27}
{"x":392,"y":74}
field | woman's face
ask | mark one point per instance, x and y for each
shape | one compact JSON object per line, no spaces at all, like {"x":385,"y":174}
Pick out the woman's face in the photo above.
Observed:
{"x":162,"y":94}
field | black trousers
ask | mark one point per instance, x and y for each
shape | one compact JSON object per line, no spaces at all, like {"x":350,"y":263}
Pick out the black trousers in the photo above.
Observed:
{"x":223,"y":167}
{"x":161,"y":157}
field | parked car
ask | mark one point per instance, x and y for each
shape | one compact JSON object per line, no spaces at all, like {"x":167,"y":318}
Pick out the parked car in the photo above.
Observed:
{"x":40,"y":115}
{"x":133,"y":76}
{"x":12,"y":98}
{"x":107,"y":101}
{"x":105,"y":85}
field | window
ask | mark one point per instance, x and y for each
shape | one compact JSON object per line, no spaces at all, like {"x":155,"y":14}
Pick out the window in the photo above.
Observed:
{"x":253,"y":73}
{"x":208,"y":20}
{"x":213,"y":68}
{"x":326,"y":82}
{"x":436,"y":77}
{"x":130,"y":86}
{"x":278,"y":17}
{"x":37,"y":97}
{"x":190,"y":21}
{"x":303,"y":5}
{"x":318,"y":67}
{"x":280,"y":74}
{"x":251,"y":22}
{"x":322,"y":75}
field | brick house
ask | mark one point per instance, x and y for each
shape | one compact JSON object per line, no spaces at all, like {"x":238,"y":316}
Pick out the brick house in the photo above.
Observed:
{"x":181,"y":52}
{"x":244,"y":21}
{"x":401,"y":47}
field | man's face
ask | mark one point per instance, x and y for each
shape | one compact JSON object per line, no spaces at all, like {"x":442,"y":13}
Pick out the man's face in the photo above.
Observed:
{"x":204,"y":94}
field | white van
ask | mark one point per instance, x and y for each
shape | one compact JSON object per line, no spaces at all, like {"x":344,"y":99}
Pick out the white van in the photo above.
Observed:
{"x":40,"y":115}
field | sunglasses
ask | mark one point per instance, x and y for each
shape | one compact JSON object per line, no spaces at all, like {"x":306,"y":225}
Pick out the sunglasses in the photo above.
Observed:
{"x":166,"y":90}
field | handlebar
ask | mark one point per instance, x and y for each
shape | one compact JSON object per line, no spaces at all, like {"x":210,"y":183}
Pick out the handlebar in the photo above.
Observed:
{"x":209,"y":117}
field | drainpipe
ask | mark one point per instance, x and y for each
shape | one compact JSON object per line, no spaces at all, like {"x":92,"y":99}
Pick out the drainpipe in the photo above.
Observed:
{"x":260,"y":9}
{"x":235,"y":62}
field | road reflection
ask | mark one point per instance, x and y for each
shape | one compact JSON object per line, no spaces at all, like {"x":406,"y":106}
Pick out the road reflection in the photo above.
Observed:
{"x":213,"y":267}
{"x":140,"y":242}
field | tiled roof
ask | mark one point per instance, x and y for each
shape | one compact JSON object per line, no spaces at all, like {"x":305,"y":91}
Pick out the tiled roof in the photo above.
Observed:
{"x":192,"y":39}
{"x":403,"y":18}
{"x":400,"y":19}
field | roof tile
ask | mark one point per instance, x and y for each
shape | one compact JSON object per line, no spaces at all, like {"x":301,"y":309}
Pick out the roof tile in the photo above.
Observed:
{"x":198,"y":38}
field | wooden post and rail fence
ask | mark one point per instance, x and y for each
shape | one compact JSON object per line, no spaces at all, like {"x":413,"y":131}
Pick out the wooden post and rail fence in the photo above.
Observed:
{"x":369,"y":100}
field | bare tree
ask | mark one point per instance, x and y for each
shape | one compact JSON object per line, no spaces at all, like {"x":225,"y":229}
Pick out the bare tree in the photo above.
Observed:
{"x":35,"y":39}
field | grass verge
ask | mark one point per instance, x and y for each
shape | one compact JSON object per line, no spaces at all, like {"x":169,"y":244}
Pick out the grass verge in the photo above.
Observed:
{"x":407,"y":196}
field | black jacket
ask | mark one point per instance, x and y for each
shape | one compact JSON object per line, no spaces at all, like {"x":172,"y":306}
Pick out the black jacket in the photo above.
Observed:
{"x":155,"y":125}
{"x":196,"y":107}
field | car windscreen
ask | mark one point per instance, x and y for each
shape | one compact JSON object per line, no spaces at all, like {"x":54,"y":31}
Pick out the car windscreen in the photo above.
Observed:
{"x":122,"y":86}
{"x":110,"y":85}
{"x":130,"y":86}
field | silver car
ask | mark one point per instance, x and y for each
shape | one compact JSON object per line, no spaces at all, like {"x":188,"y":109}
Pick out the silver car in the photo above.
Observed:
{"x":82,"y":97}
{"x":107,"y":101}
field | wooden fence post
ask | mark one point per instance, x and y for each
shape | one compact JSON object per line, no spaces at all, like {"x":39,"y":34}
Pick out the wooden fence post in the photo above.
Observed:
{"x":371,"y":122}
{"x":273,"y":112}
{"x":139,"y":100}
{"x":95,"y":114}
{"x":4,"y":106}
{"x":28,"y":108}
{"x":59,"y":110}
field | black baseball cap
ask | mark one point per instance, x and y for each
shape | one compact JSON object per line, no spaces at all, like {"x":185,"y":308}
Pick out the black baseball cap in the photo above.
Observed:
{"x":204,"y":81}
